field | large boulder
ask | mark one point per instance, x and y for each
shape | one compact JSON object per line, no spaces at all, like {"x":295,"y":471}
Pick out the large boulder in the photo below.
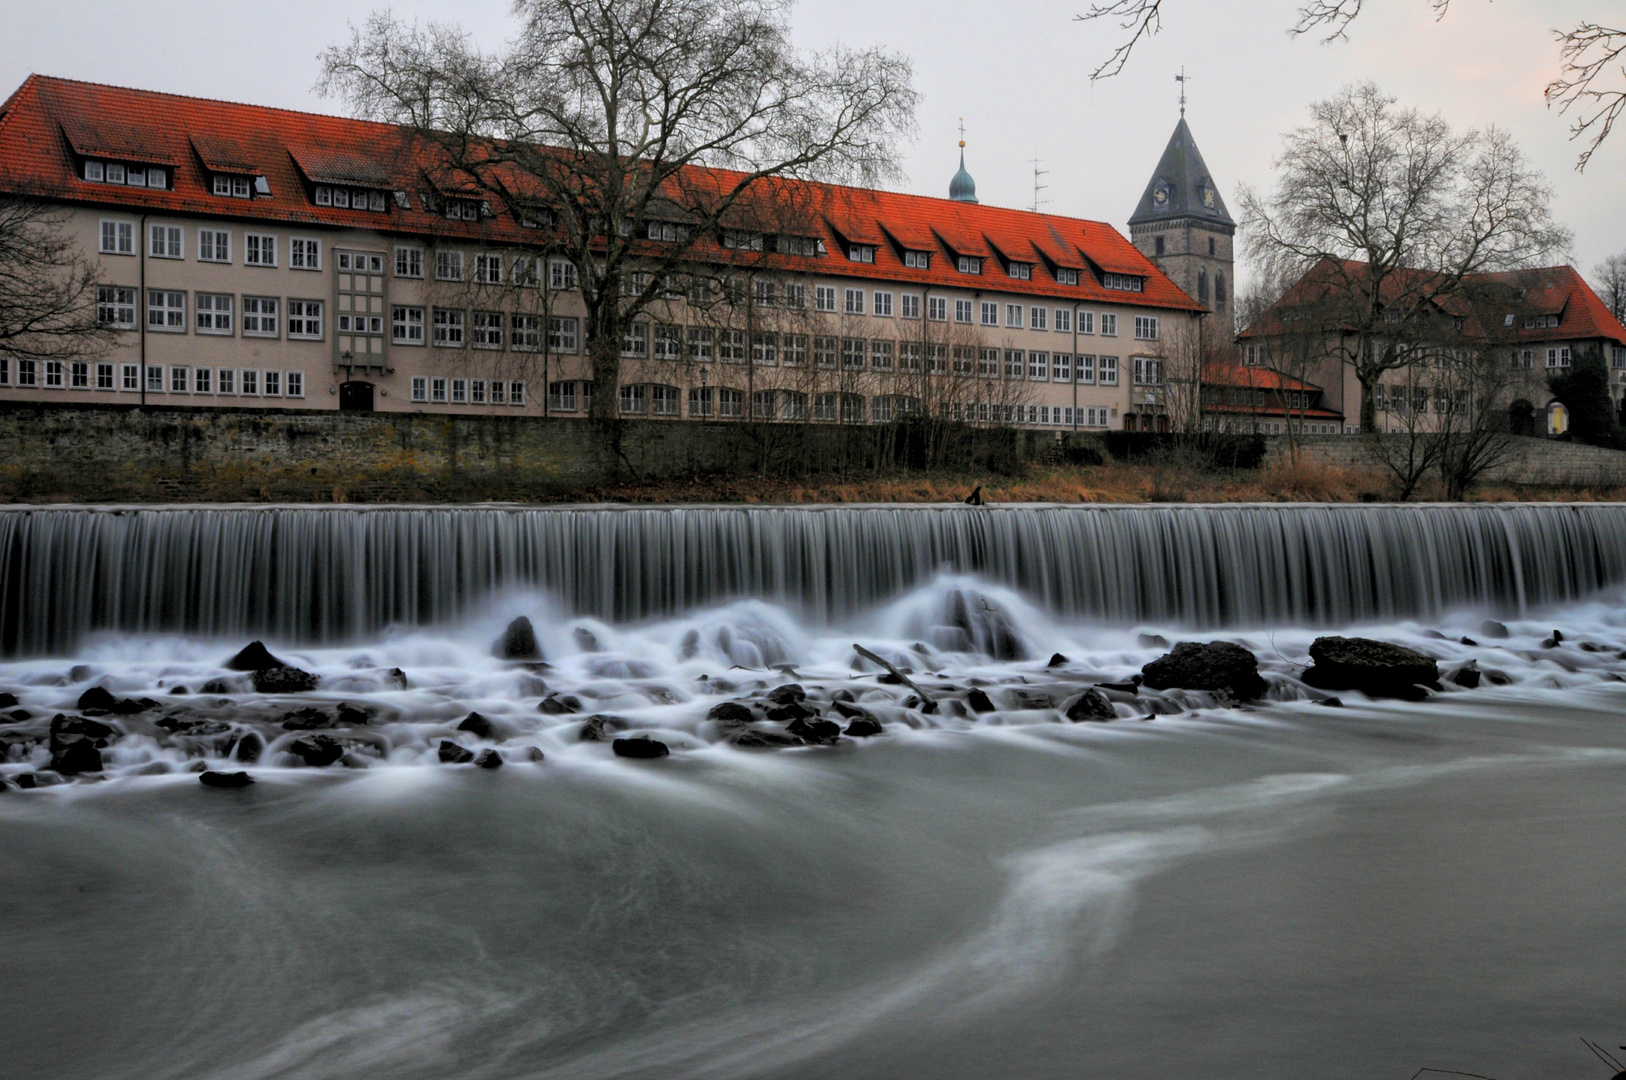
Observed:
{"x":814,"y":730}
{"x":254,"y":657}
{"x":1215,"y":666}
{"x":284,"y":680}
{"x":75,"y":756}
{"x":1092,"y":704}
{"x":210,"y":778}
{"x":642,"y":747}
{"x":1375,"y":668}
{"x":317,"y":751}
{"x":518,"y":642}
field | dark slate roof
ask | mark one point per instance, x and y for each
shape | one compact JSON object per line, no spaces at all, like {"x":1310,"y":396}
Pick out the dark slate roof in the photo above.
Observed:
{"x":1183,"y":178}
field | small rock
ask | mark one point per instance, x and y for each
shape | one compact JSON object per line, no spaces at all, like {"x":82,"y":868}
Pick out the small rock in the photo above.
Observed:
{"x":1056,"y":660}
{"x":690,"y":646}
{"x":554,"y":705}
{"x":65,"y":728}
{"x":841,"y":708}
{"x":730,"y":714}
{"x":1492,"y":629}
{"x":532,"y":686}
{"x":77,"y":755}
{"x":396,"y":677}
{"x":353,"y":760}
{"x":1467,"y":641}
{"x":97,"y":697}
{"x":585,"y":640}
{"x":1552,"y":642}
{"x":254,"y":657}
{"x":210,"y":778}
{"x":1466,"y":676}
{"x":600,"y":728}
{"x":518,"y":642}
{"x":20,"y":716}
{"x":1092,"y":704}
{"x":534,"y":753}
{"x":979,"y":701}
{"x":1215,"y":666}
{"x":642,"y":747}
{"x":8,"y":701}
{"x":217,"y":686}
{"x":351,"y":715}
{"x":179,"y":690}
{"x":26,"y":781}
{"x":283,"y":680}
{"x":1499,"y":678}
{"x":1131,"y":687}
{"x":489,"y":759}
{"x":453,"y":754}
{"x":1331,"y":702}
{"x":1436,"y":635}
{"x":478,"y":726}
{"x":1152,"y":641}
{"x":814,"y":730}
{"x":795,"y":710}
{"x":843,"y":695}
{"x":248,"y":747}
{"x":752,"y":739}
{"x":307,"y":719}
{"x":787,"y":694}
{"x":317,"y":751}
{"x":863,"y":727}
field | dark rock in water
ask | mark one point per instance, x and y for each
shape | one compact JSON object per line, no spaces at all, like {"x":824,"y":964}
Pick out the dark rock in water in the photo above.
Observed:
{"x":1152,"y":641}
{"x":453,"y":754}
{"x":786,"y":694}
{"x":210,"y":778}
{"x":349,"y":715}
{"x":254,"y":657}
{"x":77,"y":755}
{"x":26,"y":781}
{"x":814,"y":730}
{"x":1214,"y":666}
{"x":8,"y":701}
{"x":248,"y":747}
{"x":1499,"y":678}
{"x":1092,"y":704}
{"x":889,"y":679}
{"x":1436,"y":635}
{"x":601,"y":728}
{"x":1587,"y":646}
{"x":730,"y":714}
{"x":355,"y":761}
{"x":929,"y":708}
{"x":1131,"y":687}
{"x":585,"y":639}
{"x":1492,"y":629}
{"x":1331,"y":703}
{"x":317,"y":751}
{"x":518,"y":642}
{"x":131,"y":706}
{"x":1467,"y":641}
{"x":1032,"y":699}
{"x":396,"y":678}
{"x":98,"y":697}
{"x":1466,"y":676}
{"x":177,"y":725}
{"x":307,"y":719}
{"x":1056,"y":660}
{"x":217,"y":686}
{"x":534,"y":754}
{"x":554,"y":705}
{"x":979,"y":701}
{"x":1375,"y":668}
{"x":20,"y":716}
{"x":489,"y":759}
{"x":532,"y":686}
{"x":65,"y":729}
{"x":284,"y":680}
{"x":1557,"y":637}
{"x":863,"y":727}
{"x":753,"y":739}
{"x":846,"y":710}
{"x":843,"y":695}
{"x":985,"y":627}
{"x":478,"y":726}
{"x":793,"y":711}
{"x":690,"y":647}
{"x":642,"y":747}
{"x":179,"y":690}
{"x":1554,"y":641}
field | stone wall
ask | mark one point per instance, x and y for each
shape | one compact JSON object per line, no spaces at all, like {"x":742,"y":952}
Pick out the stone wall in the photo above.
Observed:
{"x":51,"y":453}
{"x":1540,"y":462}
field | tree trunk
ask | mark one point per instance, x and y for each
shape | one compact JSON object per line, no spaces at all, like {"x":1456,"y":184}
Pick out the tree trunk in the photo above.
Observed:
{"x":1369,"y":404}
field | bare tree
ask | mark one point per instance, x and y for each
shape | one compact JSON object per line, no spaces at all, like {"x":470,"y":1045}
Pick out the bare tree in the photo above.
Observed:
{"x":48,"y":289}
{"x":1590,"y":77}
{"x":592,"y":121}
{"x":1391,"y":212}
{"x":1609,"y":278}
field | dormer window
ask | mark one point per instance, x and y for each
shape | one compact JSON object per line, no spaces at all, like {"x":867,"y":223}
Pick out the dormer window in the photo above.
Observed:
{"x":799,"y":245}
{"x":235,"y":187}
{"x":861,"y":253}
{"x":1064,"y":276}
{"x":1019,"y":271}
{"x":969,"y":264}
{"x":117,"y":172}
{"x":742,"y":241}
{"x":359,"y":199}
{"x":917,"y":260}
{"x":1540,"y":322}
{"x":1123,"y":282}
{"x":668,"y":232}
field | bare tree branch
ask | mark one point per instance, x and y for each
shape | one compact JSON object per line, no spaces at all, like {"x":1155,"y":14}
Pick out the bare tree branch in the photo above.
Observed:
{"x":1590,"y":52}
{"x":1143,"y":18}
{"x":47,"y":287}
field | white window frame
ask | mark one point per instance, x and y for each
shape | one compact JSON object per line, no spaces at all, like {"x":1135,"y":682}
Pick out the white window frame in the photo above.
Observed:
{"x":214,"y":246}
{"x":448,"y":265}
{"x":266,"y":315}
{"x":937,"y":308}
{"x":116,"y":237}
{"x":824,"y":298}
{"x":293,"y":384}
{"x":304,"y":253}
{"x":963,"y":311}
{"x":853,"y":302}
{"x":1063,"y":321}
{"x":1109,"y":324}
{"x":309,"y":311}
{"x":166,"y":241}
{"x":1013,"y":316}
{"x":881,"y":305}
{"x":215,"y":313}
{"x":990,"y":313}
{"x":171,"y":311}
{"x":259,"y":249}
{"x":404,"y":320}
{"x":1146,"y":327}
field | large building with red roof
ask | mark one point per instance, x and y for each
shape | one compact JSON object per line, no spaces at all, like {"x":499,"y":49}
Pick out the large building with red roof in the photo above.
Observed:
{"x":264,"y":257}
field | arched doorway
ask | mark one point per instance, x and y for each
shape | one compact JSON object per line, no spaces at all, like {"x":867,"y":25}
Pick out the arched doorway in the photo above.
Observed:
{"x":1558,"y":418}
{"x":1521,"y":418}
{"x":356,"y":397}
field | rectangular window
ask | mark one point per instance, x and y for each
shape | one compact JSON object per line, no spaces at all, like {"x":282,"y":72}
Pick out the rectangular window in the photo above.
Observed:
{"x":825,"y":351}
{"x":448,"y":266}
{"x":1038,"y":365}
{"x":883,"y":305}
{"x":104,"y":376}
{"x":116,"y":306}
{"x":1086,"y":369}
{"x":293,"y":383}
{"x":164,"y":242}
{"x":1559,"y":357}
{"x":937,"y":308}
{"x":155,"y":379}
{"x":855,"y":302}
{"x":1122,"y":282}
{"x":437,"y":391}
{"x":516,"y":393}
{"x":880,"y":355}
{"x":1014,"y":367}
{"x":406,"y":325}
{"x":730,"y":403}
{"x":166,"y":311}
{"x":118,"y":238}
{"x":215,"y":313}
{"x":1019,"y":271}
{"x":304,"y":253}
{"x":226,"y":381}
{"x":1109,"y":324}
{"x":1064,"y":320}
{"x":633,"y":399}
{"x":488,"y":326}
{"x":562,"y":396}
{"x":963,"y":356}
{"x":795,"y":295}
{"x":561,"y":275}
{"x":793,"y":350}
{"x":731,"y":346}
{"x":990,"y":313}
{"x":864,"y":253}
{"x":563,"y":333}
{"x":1037,"y":318}
{"x":53,"y":374}
{"x":1108,"y":368}
{"x":917,"y":260}
{"x":962,"y":311}
{"x":202,"y":381}
{"x":259,"y":250}
{"x":988,"y":363}
{"x":460,"y":391}
{"x":525,"y":274}
{"x":668,"y":343}
{"x":477,"y":391}
{"x":763,"y":294}
{"x":700,"y":343}
{"x":408,"y":262}
{"x":249,"y":382}
{"x":969,"y":265}
{"x":1061,"y":367}
{"x":636,"y":342}
{"x":909,"y":354}
{"x":1066,"y":276}
{"x":488,"y":269}
{"x":260,"y":316}
{"x":214,"y":245}
{"x":765,"y":349}
{"x":420,"y":388}
{"x":852,"y":353}
{"x":305,"y":320}
{"x":179,"y":380}
{"x":1148,"y":371}
{"x":271,"y":384}
{"x":1145,"y":328}
{"x":1013,"y":316}
{"x":129,"y":377}
{"x":449,"y":329}
{"x":525,"y":333}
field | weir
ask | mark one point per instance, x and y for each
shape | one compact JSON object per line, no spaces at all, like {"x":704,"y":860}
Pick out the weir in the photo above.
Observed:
{"x":331,"y":574}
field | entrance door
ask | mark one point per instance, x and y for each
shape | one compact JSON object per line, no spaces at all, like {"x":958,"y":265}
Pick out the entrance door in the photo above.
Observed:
{"x":356,"y":396}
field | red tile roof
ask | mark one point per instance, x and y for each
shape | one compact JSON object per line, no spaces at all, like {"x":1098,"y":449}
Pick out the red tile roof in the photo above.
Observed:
{"x":48,"y":121}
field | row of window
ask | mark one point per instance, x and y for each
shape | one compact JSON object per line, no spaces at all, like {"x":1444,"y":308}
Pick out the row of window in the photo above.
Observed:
{"x":213,"y":245}
{"x":219,"y":314}
{"x":1557,"y":357}
{"x":161,"y":378}
{"x":445,"y":391}
{"x":656,"y":399}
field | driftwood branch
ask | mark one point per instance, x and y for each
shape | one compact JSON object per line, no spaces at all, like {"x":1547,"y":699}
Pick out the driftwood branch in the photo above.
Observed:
{"x":896,"y":674}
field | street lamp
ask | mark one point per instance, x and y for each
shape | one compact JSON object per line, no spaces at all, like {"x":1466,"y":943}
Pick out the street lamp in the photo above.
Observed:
{"x":349,"y":360}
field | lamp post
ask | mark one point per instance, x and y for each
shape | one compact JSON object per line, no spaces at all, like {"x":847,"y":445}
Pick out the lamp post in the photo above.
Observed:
{"x":348,"y":359}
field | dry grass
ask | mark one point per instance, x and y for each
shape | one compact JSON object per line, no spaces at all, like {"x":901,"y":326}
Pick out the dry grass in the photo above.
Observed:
{"x":1113,"y":483}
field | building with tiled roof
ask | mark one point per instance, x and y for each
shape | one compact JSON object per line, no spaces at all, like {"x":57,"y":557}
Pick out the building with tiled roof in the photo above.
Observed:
{"x":1536,"y":321}
{"x":285,"y":259}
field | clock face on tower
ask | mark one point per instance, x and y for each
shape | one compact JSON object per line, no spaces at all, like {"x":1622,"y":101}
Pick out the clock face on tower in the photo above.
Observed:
{"x":1160,"y":195}
{"x":1208,"y":196}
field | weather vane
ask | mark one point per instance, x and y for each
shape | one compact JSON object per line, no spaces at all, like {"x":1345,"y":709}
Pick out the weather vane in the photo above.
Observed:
{"x":962,"y":131}
{"x":1182,"y":79}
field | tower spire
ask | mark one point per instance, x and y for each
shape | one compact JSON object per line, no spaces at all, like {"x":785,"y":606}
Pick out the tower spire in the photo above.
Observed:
{"x":962,"y":188}
{"x":1182,"y":79}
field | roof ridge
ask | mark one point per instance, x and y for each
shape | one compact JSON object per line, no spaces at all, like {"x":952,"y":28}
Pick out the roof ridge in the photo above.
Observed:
{"x":6,"y":106}
{"x":48,"y":79}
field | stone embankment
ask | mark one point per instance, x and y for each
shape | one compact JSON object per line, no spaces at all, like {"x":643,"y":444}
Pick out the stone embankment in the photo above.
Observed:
{"x":1532,"y":462}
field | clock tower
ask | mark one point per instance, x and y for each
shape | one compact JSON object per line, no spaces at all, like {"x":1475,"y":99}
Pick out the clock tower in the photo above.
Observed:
{"x":1181,"y":224}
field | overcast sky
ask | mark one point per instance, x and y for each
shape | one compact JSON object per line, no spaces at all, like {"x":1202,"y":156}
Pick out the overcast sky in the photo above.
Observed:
{"x":1018,"y":72}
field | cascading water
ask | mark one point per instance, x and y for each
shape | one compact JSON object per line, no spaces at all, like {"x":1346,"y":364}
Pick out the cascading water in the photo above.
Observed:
{"x":973,"y":887}
{"x":322,"y":575}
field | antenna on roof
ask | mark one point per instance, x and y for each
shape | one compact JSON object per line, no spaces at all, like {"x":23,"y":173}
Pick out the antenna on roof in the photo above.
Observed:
{"x":1038,"y":187}
{"x":1182,"y":79}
